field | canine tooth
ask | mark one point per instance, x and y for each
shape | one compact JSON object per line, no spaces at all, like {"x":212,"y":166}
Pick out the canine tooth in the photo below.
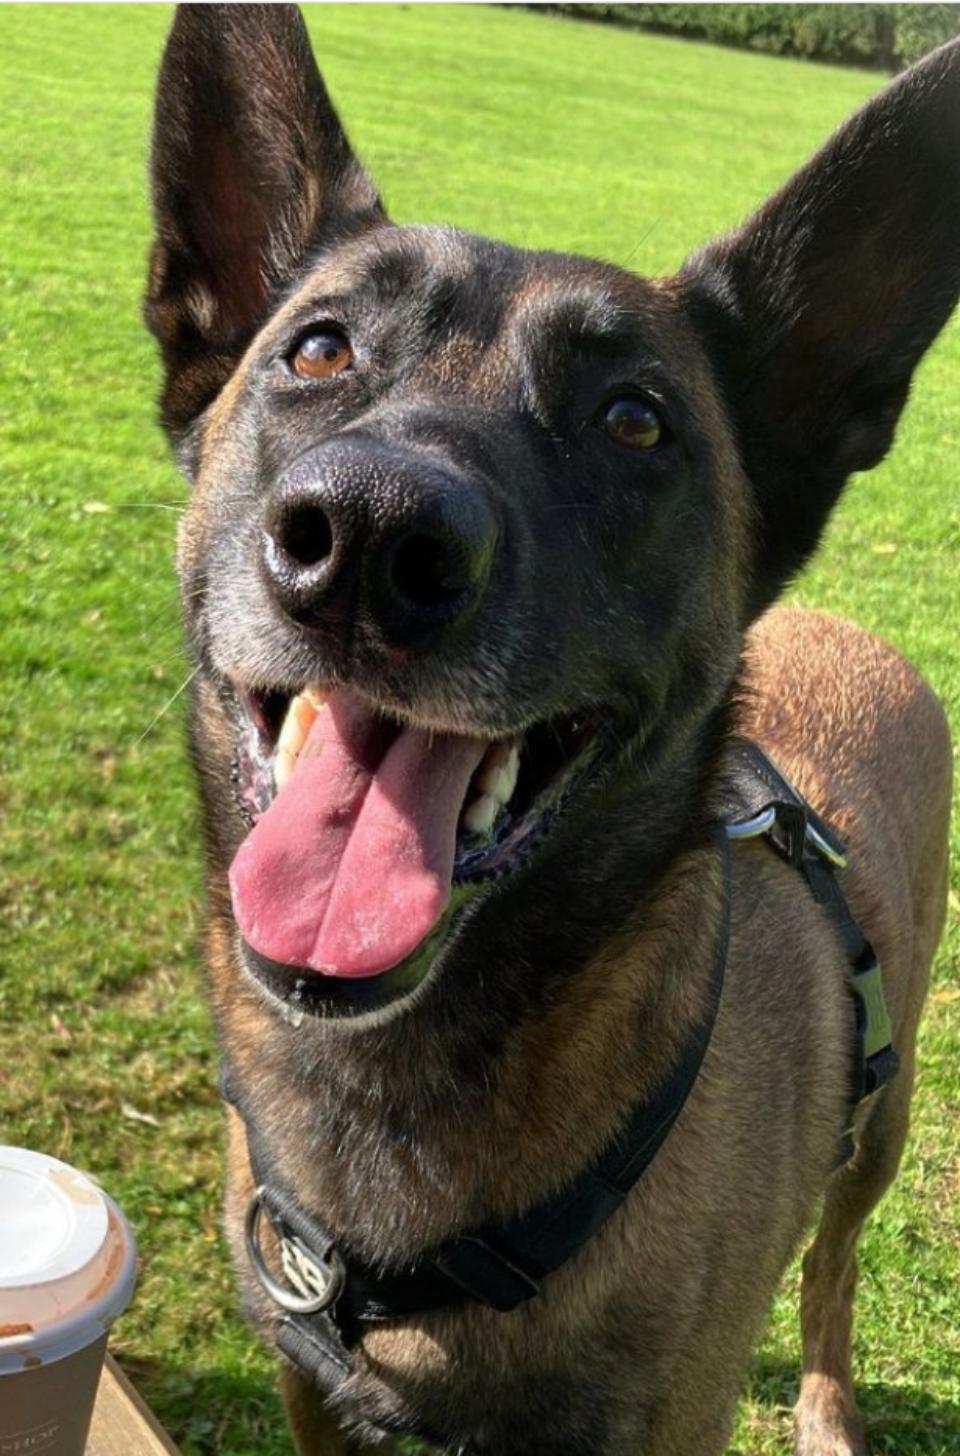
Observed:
{"x":293,"y":735}
{"x":283,"y":765}
{"x":296,"y":725}
{"x":479,"y":816}
{"x":500,"y":769}
{"x":510,"y":772}
{"x":315,"y":695}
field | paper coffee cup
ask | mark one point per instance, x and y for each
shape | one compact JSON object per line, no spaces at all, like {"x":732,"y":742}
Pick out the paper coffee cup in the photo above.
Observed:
{"x":67,"y":1269}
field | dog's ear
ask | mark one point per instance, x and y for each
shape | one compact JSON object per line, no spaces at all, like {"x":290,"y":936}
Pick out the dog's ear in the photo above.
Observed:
{"x":818,"y":309}
{"x":250,"y":169}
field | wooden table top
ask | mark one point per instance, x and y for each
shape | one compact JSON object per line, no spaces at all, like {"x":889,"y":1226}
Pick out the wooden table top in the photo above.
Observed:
{"x":122,"y":1425}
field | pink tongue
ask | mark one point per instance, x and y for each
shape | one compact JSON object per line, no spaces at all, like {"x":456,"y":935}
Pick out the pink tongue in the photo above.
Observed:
{"x":350,"y":867}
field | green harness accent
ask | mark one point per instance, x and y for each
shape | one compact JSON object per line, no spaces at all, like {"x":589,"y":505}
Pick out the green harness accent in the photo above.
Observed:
{"x":877,"y":1034}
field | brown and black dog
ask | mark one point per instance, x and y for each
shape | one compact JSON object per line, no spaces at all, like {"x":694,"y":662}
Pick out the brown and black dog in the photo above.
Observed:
{"x":475,"y":576}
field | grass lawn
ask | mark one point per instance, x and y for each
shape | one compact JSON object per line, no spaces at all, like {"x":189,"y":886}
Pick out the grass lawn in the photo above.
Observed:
{"x":546,"y":131}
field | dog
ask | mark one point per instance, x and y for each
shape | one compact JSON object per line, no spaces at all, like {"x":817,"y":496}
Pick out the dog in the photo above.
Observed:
{"x":478,"y":577}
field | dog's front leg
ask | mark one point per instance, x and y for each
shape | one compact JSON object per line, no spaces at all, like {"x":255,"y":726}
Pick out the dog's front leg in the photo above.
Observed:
{"x":828,"y":1422}
{"x":315,"y":1431}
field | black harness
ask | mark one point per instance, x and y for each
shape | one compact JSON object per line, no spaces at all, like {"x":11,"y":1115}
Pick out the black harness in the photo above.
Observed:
{"x":327,"y":1297}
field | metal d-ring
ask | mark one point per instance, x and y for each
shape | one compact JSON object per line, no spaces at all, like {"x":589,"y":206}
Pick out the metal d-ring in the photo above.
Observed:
{"x":756,"y":825}
{"x":315,"y":1283}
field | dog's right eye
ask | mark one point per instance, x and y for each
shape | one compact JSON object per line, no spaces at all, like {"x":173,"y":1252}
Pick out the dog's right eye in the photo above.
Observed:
{"x":321,"y":354}
{"x":632,"y":421}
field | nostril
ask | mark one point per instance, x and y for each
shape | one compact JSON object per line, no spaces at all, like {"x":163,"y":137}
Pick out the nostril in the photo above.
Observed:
{"x":426,"y":573}
{"x":305,"y":534}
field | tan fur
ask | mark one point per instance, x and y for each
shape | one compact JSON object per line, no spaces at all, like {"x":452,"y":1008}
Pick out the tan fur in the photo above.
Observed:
{"x":875,"y":754}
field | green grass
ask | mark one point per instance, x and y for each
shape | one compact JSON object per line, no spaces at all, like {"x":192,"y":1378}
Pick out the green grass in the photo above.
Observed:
{"x":545,"y":131}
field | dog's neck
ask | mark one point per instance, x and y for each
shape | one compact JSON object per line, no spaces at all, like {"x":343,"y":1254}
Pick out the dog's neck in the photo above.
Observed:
{"x":384,"y":1107}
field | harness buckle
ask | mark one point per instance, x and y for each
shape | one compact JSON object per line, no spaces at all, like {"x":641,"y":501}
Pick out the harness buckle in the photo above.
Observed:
{"x":314,"y":1282}
{"x":783,"y":824}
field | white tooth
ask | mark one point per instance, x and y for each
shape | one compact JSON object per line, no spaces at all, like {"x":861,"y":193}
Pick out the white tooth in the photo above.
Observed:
{"x":315,"y":695}
{"x":478,"y":817}
{"x":499,"y":772}
{"x":283,"y":765}
{"x":510,"y":772}
{"x":293,"y":735}
{"x":497,"y":786}
{"x":296,"y":725}
{"x":488,"y":775}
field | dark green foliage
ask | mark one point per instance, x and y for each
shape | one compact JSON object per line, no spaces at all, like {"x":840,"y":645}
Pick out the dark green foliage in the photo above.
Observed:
{"x":884,"y":36}
{"x":921,"y":28}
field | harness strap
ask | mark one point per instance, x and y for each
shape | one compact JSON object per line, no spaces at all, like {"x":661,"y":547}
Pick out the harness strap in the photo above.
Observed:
{"x":762,"y":801}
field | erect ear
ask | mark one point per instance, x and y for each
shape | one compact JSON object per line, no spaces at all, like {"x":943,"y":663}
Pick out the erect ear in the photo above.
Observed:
{"x":818,"y":309}
{"x":251,"y":170}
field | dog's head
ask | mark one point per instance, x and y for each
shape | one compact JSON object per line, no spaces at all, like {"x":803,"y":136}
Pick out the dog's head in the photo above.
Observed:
{"x":477,"y":531}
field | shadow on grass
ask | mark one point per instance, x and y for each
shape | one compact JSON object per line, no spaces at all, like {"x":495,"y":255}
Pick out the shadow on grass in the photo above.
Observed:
{"x":211,"y":1411}
{"x":902,"y":1420}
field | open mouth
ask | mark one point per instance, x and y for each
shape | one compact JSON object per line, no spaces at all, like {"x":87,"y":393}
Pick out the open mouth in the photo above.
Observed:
{"x":361,"y":824}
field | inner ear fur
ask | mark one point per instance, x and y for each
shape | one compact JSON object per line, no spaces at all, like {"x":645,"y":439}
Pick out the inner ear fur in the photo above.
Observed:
{"x":817,"y":310}
{"x":251,"y":170}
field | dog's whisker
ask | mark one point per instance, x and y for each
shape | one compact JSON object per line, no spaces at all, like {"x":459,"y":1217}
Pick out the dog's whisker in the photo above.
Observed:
{"x":177,"y":505}
{"x":176,"y":656}
{"x":167,"y":705}
{"x":166,"y":620}
{"x":155,"y":630}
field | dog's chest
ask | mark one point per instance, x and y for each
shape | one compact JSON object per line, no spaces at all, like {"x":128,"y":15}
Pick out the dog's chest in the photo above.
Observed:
{"x":446,"y":1397}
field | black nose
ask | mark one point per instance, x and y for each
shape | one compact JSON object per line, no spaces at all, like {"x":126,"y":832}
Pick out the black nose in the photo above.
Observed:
{"x":355,"y":527}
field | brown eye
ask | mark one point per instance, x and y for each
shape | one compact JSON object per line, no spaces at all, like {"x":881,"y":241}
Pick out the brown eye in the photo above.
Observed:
{"x":633,"y":422}
{"x":321,"y":355}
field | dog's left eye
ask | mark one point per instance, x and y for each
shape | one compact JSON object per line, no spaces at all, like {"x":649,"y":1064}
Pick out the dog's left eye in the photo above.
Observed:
{"x":321,"y":354}
{"x":632,"y":421}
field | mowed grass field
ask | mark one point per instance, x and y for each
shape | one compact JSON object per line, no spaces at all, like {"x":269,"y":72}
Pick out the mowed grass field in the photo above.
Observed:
{"x":548,"y":132}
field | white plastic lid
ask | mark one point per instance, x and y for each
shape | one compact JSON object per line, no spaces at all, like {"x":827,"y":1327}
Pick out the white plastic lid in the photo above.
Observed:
{"x":67,"y":1260}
